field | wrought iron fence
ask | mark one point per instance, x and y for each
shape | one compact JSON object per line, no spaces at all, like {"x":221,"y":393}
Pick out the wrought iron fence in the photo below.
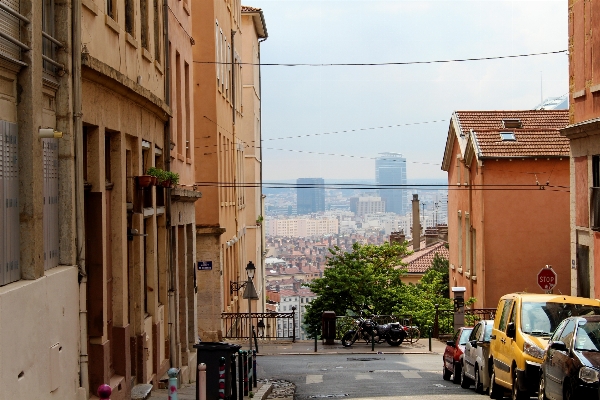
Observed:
{"x":270,"y":325}
{"x":444,"y":319}
{"x":344,"y":323}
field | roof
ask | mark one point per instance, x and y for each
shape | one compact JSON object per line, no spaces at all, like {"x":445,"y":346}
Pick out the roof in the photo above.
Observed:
{"x":259,"y":20}
{"x":420,"y":261}
{"x":528,"y":143}
{"x":477,"y":133}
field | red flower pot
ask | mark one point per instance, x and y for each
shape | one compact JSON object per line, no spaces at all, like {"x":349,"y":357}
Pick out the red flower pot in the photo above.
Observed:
{"x":144,"y":181}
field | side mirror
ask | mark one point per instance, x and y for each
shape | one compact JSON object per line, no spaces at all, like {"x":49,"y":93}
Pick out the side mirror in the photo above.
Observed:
{"x":473,"y":343}
{"x":511,"y":331}
{"x":492,"y":337}
{"x":450,"y":343}
{"x":559,"y":346}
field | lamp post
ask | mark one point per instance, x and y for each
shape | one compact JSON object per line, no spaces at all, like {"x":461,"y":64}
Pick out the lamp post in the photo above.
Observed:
{"x":250,"y":294}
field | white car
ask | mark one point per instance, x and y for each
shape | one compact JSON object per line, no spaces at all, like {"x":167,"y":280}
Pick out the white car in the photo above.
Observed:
{"x":475,"y":368}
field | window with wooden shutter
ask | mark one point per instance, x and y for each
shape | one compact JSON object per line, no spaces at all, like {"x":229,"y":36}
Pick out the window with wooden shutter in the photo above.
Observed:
{"x":50,"y":212}
{"x":10,"y":270}
{"x":10,"y":25}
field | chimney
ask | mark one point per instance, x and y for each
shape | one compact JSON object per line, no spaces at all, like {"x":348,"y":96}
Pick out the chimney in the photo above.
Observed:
{"x":397,"y":237}
{"x":416,"y":226}
{"x":431,"y":236}
{"x":442,"y":232}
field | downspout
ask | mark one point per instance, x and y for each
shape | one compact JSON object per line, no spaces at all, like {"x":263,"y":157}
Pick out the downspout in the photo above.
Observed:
{"x":167,"y":161}
{"x":79,"y":197}
{"x":262,"y":198}
{"x":233,"y":78}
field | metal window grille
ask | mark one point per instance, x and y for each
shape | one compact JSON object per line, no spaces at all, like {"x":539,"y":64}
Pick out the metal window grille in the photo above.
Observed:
{"x":10,"y":25}
{"x":50,"y":148}
{"x":10,"y":270}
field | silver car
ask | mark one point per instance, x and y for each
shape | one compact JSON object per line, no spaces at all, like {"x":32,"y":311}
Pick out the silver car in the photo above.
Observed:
{"x":475,"y":369}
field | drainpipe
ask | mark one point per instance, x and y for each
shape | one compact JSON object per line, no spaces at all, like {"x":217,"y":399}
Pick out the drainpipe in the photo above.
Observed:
{"x":79,"y":197}
{"x":262,"y":197}
{"x":167,"y":161}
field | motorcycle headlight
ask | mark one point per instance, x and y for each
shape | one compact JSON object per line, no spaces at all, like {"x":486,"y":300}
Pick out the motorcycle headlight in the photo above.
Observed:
{"x":533,"y":350}
{"x":588,"y":375}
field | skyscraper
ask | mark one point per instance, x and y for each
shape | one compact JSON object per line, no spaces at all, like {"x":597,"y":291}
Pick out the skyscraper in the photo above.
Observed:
{"x":310,"y":195}
{"x":390,"y":169}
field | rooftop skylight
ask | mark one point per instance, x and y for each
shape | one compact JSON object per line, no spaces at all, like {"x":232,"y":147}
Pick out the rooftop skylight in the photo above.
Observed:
{"x":512,"y":123}
{"x":508,"y":136}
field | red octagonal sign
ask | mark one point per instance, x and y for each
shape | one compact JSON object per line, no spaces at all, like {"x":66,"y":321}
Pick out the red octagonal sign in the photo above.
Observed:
{"x":546,"y":278}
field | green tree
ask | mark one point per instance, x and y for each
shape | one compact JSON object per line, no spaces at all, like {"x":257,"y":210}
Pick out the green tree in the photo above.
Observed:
{"x":364,"y":278}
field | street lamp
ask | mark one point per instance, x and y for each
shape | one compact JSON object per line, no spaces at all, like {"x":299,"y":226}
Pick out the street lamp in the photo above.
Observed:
{"x":250,"y":294}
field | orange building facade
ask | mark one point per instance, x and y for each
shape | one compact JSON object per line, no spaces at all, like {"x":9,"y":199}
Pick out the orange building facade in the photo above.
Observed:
{"x":508,"y":201}
{"x":584,"y":136}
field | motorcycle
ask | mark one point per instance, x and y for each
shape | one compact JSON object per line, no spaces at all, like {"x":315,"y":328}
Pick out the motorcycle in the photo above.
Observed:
{"x":368,"y":330}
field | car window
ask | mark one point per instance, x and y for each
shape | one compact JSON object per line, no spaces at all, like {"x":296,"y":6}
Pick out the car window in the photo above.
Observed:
{"x":475,"y":333}
{"x":464,"y":336}
{"x":588,"y":336}
{"x":456,"y":336}
{"x":542,"y":318}
{"x":504,"y":316}
{"x":513,"y":315}
{"x":567,"y":334}
{"x":558,"y":331}
{"x":488,"y":332}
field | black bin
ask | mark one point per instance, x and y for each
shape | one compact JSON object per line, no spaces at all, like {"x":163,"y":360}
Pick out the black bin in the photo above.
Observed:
{"x":210,"y":353}
{"x":328,"y":329}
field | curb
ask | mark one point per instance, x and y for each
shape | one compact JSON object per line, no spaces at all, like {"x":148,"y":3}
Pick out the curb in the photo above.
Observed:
{"x":264,"y":391}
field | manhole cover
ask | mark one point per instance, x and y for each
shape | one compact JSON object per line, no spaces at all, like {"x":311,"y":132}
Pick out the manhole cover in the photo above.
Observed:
{"x":327,"y":396}
{"x":365,"y":358}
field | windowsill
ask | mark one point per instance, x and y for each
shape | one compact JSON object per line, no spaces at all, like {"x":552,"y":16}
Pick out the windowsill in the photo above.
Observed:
{"x":579,"y":93}
{"x":131,"y":40}
{"x":158,"y":67}
{"x":112,"y":24}
{"x":467,"y":274}
{"x":180,"y":157}
{"x":186,"y":8}
{"x":452,"y":267}
{"x":474,"y":278}
{"x":460,"y":270}
{"x":148,"y":212}
{"x":188,"y":160}
{"x":595,"y":89}
{"x":146,"y":54}
{"x":160,"y":210}
{"x":91,"y":6}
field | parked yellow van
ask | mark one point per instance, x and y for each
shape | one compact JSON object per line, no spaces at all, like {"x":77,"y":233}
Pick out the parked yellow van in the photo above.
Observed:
{"x":522,"y":327}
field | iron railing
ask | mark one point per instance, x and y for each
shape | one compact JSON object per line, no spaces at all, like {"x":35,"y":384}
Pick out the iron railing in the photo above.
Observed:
{"x":271,"y":325}
{"x":444,"y":319}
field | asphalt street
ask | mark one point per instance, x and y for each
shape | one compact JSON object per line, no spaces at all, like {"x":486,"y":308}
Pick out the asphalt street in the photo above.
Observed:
{"x":364,"y":376}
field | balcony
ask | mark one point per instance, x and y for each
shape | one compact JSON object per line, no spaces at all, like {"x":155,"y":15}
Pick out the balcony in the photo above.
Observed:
{"x":595,"y":208}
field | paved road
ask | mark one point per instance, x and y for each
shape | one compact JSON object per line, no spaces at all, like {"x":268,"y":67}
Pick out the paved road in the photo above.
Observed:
{"x":364,"y":376}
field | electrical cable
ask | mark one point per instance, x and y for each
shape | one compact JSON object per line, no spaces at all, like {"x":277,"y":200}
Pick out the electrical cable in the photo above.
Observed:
{"x":389,"y":63}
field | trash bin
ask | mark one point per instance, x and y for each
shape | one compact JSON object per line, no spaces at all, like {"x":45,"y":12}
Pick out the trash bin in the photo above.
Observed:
{"x":328,"y":329}
{"x":210,"y":353}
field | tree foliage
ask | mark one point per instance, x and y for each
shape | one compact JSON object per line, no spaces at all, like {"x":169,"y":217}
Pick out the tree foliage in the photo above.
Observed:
{"x":365,"y":278}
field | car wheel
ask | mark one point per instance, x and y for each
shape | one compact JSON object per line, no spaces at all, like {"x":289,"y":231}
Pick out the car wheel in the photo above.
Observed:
{"x":456,"y":377}
{"x":495,"y":392}
{"x":446,"y":373}
{"x":478,"y":384}
{"x":465,"y":381}
{"x":567,"y":390}
{"x":517,"y":394}
{"x":542,"y":389}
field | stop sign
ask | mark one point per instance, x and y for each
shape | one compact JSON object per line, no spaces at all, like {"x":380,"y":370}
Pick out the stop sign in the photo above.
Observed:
{"x":546,"y":278}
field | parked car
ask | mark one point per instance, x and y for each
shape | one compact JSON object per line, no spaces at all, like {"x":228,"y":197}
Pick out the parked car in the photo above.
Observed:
{"x":454,"y":353}
{"x":523,"y":325}
{"x":475,"y":369}
{"x":571,"y":367}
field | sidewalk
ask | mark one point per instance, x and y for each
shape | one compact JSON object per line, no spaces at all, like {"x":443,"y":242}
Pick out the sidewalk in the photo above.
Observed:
{"x":306,"y":347}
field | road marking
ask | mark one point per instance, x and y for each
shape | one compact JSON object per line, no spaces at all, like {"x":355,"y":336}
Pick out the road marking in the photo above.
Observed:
{"x":410,"y":374}
{"x":314,"y":379}
{"x":361,"y":377}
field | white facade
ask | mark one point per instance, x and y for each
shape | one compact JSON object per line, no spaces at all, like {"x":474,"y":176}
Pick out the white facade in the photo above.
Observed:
{"x":301,"y":227}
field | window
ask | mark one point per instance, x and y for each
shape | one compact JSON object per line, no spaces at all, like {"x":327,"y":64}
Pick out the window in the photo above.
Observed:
{"x":508,"y":136}
{"x":460,"y":228}
{"x":468,"y":242}
{"x":512,"y":123}
{"x":474,"y":250}
{"x":10,"y":270}
{"x":506,"y":306}
{"x":111,"y":9}
{"x":129,"y":17}
{"x":567,"y":334}
{"x":50,"y":205}
{"x":188,"y":123}
{"x":48,"y":48}
{"x":218,"y":53}
{"x":11,"y":26}
{"x":178,"y":103}
{"x":156,"y":31}
{"x":144,"y":23}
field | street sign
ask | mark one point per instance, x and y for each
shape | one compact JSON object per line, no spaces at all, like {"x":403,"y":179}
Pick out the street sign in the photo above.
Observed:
{"x":204,"y":265}
{"x":546,"y":278}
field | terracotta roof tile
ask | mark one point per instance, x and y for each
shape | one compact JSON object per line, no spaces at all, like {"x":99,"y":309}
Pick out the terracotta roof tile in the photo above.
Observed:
{"x":531,"y":119}
{"x":528,"y":143}
{"x":421,"y":260}
{"x":250,"y":9}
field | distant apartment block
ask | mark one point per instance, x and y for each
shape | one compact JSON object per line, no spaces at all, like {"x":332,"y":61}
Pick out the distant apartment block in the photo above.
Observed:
{"x":366,"y":205}
{"x":390,"y":169}
{"x":310,"y":195}
{"x":301,"y":227}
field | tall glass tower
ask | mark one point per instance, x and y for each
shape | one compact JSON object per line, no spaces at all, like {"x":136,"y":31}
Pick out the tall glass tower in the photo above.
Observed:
{"x":390,"y":169}
{"x":310,"y":195}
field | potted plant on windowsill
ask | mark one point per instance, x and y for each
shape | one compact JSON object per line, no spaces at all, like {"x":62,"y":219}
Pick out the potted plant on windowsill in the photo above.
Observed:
{"x":157,"y":174}
{"x":171,"y":179}
{"x":143,"y":181}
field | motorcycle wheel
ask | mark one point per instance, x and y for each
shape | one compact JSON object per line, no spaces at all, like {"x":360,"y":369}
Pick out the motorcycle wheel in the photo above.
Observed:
{"x":395,"y":341}
{"x":349,"y":339}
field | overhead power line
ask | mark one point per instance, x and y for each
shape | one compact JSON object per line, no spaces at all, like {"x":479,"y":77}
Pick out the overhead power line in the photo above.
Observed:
{"x":389,"y":63}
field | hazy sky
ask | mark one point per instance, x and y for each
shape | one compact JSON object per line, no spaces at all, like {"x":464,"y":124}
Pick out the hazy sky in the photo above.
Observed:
{"x":306,"y":100}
